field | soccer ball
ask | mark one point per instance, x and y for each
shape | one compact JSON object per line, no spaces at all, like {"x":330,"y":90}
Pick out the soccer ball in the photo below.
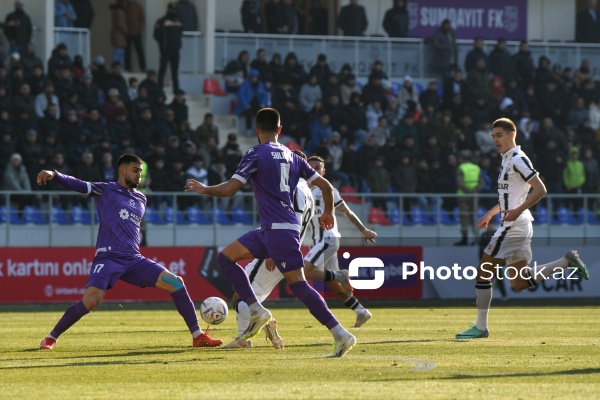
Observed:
{"x":213,"y":310}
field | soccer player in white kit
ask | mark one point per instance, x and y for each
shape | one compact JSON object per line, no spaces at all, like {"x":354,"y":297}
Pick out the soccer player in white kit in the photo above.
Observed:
{"x":512,"y":241}
{"x":323,"y":254}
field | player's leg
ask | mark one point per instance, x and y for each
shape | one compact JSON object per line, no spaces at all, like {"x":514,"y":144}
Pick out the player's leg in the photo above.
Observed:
{"x":103,"y":274}
{"x":144,"y":272}
{"x":486,"y":271}
{"x":246,"y":247}
{"x":314,"y":266}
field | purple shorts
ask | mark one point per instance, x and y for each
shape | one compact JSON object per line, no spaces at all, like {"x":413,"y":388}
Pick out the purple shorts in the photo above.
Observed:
{"x":136,"y":270}
{"x":282,"y":245}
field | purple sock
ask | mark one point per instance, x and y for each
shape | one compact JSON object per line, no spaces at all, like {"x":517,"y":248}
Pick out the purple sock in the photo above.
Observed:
{"x":69,"y":318}
{"x":238,"y":278}
{"x":186,"y":308}
{"x":314,"y":302}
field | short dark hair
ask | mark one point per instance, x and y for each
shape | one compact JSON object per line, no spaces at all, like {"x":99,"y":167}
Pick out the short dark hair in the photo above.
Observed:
{"x":300,"y":154}
{"x":127,"y":159}
{"x":506,"y":124}
{"x":267,"y":120}
{"x":316,"y":158}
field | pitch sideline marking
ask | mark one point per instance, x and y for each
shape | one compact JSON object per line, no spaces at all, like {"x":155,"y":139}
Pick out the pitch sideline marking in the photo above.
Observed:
{"x":420,"y":364}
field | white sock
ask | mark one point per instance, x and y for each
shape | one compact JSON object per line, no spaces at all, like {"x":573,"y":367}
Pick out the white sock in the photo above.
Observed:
{"x":197,"y":333}
{"x":339,"y":276}
{"x":360,"y":310}
{"x":483,"y":292}
{"x":242,"y":317}
{"x":545,"y":271}
{"x":52,"y":337}
{"x":338,"y":332}
{"x":256,"y":307}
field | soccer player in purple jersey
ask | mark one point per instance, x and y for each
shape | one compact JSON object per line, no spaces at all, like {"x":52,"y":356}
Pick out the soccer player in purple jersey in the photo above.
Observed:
{"x":274,"y":172}
{"x":120,"y":209}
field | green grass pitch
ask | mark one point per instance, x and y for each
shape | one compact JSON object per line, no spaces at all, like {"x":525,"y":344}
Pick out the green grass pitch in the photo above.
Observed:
{"x":139,"y":351}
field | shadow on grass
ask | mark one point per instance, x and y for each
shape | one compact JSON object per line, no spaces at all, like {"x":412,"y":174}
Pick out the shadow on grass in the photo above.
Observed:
{"x":586,"y":371}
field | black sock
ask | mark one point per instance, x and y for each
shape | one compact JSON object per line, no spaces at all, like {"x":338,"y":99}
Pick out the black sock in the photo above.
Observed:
{"x":329,"y":276}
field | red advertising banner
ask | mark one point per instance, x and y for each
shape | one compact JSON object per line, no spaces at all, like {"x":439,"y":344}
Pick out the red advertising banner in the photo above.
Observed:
{"x":59,"y":274}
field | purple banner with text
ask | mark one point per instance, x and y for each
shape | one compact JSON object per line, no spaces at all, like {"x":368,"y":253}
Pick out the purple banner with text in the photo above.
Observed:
{"x":470,"y":18}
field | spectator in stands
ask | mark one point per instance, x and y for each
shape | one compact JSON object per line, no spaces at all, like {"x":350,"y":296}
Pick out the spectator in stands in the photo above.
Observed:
{"x":46,"y":98}
{"x":231,"y":153}
{"x":260,"y":63}
{"x":64,"y":14}
{"x":453,"y":86}
{"x":478,"y":81}
{"x":197,"y":171}
{"x":251,"y":17}
{"x":251,"y":97}
{"x":349,"y":87}
{"x":378,"y":180}
{"x":394,"y":113}
{"x":63,"y":82}
{"x":321,"y":70}
{"x":523,"y":66}
{"x":120,"y":128}
{"x":15,"y":175}
{"x":350,"y":165}
{"x":16,"y":77}
{"x":373,"y":113}
{"x":395,"y":21}
{"x":8,"y":146}
{"x":30,"y":148}
{"x":152,"y":85}
{"x":406,"y":129}
{"x":18,"y":29}
{"x":404,"y":178}
{"x":574,"y":177}
{"x":587,"y":24}
{"x":525,"y":138}
{"x":205,"y":131}
{"x":578,"y":114}
{"x":289,"y":18}
{"x":320,"y":130}
{"x":49,"y":123}
{"x":132,"y":88}
{"x":272,"y":16}
{"x":336,"y":154}
{"x":293,"y":71}
{"x":70,"y":127}
{"x":119,"y":30}
{"x":500,"y":62}
{"x":112,"y":104}
{"x":50,"y":146}
{"x":483,"y":137}
{"x":310,"y":93}
{"x":168,"y":31}
{"x":94,"y":124}
{"x":477,"y":53}
{"x":408,"y":97}
{"x":374,"y":91}
{"x":445,"y":50}
{"x":430,"y":96}
{"x":243,"y":60}
{"x":542,"y":72}
{"x":356,"y":119}
{"x":367,"y":154}
{"x":23,"y":101}
{"x":100,"y":73}
{"x":89,"y":92}
{"x":179,"y":106}
{"x":332,"y":86}
{"x":37,"y":80}
{"x":141,"y":102}
{"x":352,"y":19}
{"x":136,"y":20}
{"x":87,"y":169}
{"x":188,"y":15}
{"x":551,"y":102}
{"x":468,"y":180}
{"x":60,"y":58}
{"x":550,"y":164}
{"x":583,"y":73}
{"x":107,"y":168}
{"x":169,"y":126}
{"x":30,"y":60}
{"x":318,"y":19}
{"x":116,"y":80}
{"x":85,"y":13}
{"x":592,"y":172}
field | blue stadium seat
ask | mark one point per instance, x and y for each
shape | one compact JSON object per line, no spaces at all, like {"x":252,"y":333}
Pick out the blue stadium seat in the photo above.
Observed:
{"x":222,"y":217}
{"x":394,"y":215}
{"x":59,"y":216}
{"x":241,"y":216}
{"x":33,"y":215}
{"x":562,"y":215}
{"x":80,"y":215}
{"x":153,"y":217}
{"x":174,"y":215}
{"x":418,"y":86}
{"x":197,"y":216}
{"x":540,"y":216}
{"x":591,"y":217}
{"x":396,"y":86}
{"x":13,"y":215}
{"x":446,"y":218}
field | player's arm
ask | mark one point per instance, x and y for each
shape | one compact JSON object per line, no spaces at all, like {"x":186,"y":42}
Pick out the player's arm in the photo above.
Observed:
{"x":487,"y":217}
{"x":368,"y":234}
{"x":225,"y":189}
{"x":539,"y":191}
{"x":327,"y":190}
{"x":67,"y":181}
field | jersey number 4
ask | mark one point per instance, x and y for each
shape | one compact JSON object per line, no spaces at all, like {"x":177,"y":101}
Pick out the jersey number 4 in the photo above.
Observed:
{"x":284,"y":181}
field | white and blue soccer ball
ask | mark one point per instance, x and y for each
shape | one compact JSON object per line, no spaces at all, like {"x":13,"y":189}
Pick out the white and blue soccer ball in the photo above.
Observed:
{"x":213,"y":310}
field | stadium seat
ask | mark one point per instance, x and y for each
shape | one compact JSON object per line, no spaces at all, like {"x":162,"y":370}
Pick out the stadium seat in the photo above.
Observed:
{"x":174,"y":215}
{"x":394,"y":215}
{"x":562,"y":215}
{"x":13,"y":215}
{"x":540,"y":216}
{"x":418,"y":86}
{"x":153,"y":217}
{"x":377,"y":216}
{"x":80,"y":215}
{"x":241,"y":216}
{"x":59,"y":216}
{"x":33,"y":215}
{"x":349,"y":190}
{"x":222,"y":217}
{"x":591,"y":217}
{"x":197,"y":216}
{"x":446,"y":218}
{"x":212,"y":86}
{"x":396,"y":86}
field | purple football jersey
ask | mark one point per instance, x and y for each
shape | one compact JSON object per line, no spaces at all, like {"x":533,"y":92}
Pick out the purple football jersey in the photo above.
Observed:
{"x":120,"y":211}
{"x":274,"y":172}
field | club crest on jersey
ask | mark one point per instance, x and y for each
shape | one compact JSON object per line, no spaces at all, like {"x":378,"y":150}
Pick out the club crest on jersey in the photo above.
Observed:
{"x":283,"y":264}
{"x":131,"y":203}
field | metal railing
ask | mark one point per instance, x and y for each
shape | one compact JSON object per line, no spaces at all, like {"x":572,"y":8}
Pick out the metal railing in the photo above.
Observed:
{"x":77,"y":41}
{"x":44,"y":218}
{"x":400,"y":56}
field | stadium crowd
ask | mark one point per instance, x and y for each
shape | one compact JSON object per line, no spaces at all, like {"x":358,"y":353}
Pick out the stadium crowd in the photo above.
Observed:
{"x":376,"y":137}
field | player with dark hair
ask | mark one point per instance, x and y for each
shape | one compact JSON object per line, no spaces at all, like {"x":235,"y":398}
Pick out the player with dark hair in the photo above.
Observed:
{"x":274,"y":172}
{"x":326,"y":243}
{"x":120,"y":209}
{"x":512,"y":241}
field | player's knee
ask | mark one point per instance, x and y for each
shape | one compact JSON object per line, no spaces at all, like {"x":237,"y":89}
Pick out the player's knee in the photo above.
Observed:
{"x":519,"y":284}
{"x":92,"y":301}
{"x":173,"y":280}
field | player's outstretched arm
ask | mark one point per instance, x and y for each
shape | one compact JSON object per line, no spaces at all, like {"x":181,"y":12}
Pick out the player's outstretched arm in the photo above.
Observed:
{"x":225,"y":189}
{"x":327,"y":190}
{"x":368,"y":234}
{"x":539,"y":191}
{"x":45,"y":176}
{"x":487,"y":217}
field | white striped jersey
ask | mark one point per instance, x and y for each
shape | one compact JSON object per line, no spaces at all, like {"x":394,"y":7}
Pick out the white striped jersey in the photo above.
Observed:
{"x":304,"y":206}
{"x":318,"y":233}
{"x":513,"y":183}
